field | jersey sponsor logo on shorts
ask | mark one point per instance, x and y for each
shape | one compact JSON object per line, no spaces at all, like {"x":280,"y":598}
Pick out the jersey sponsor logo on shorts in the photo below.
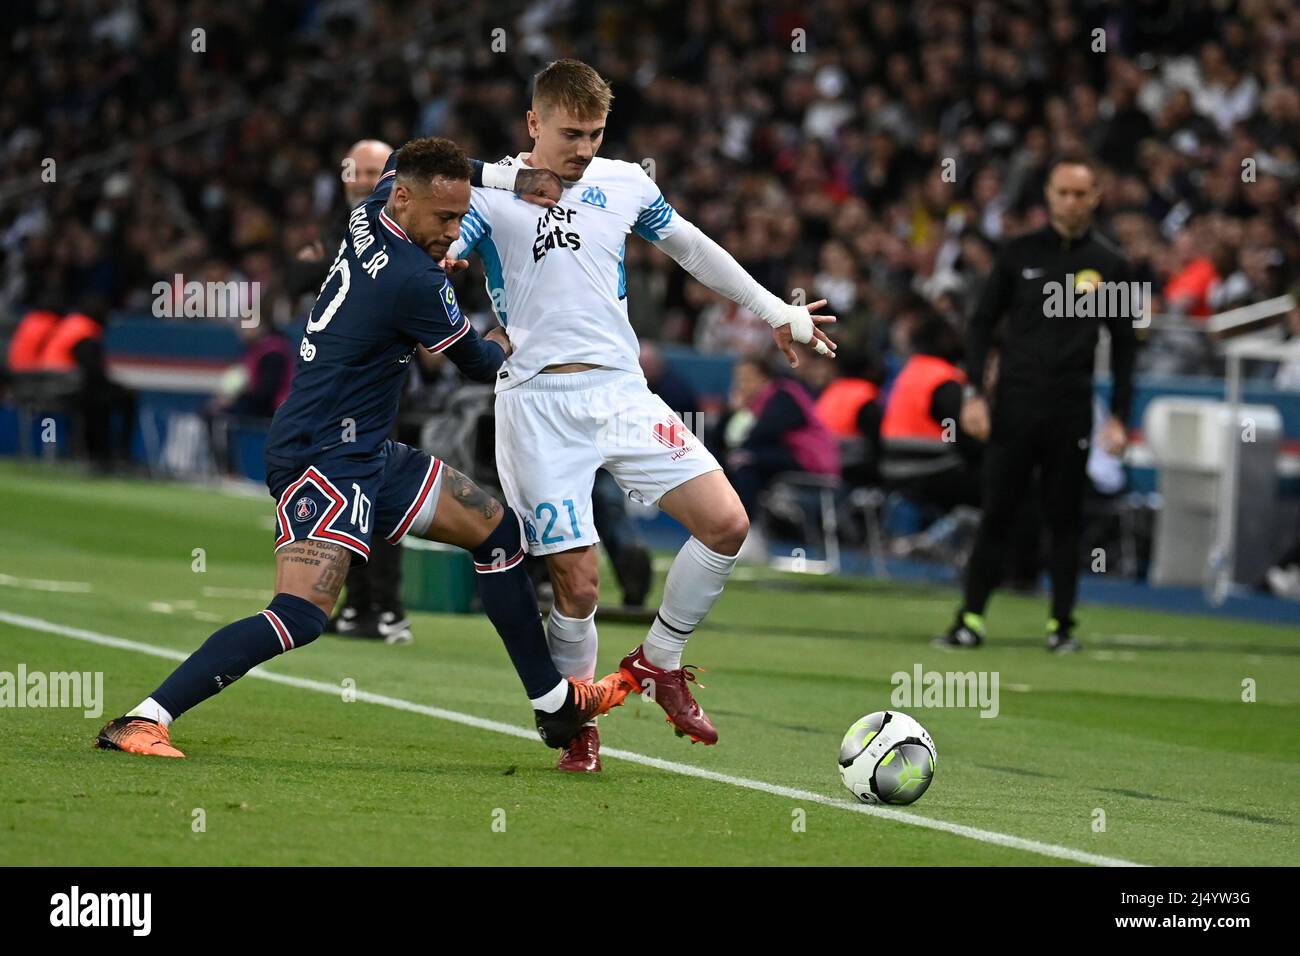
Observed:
{"x":304,"y":509}
{"x":673,"y":434}
{"x":670,"y":433}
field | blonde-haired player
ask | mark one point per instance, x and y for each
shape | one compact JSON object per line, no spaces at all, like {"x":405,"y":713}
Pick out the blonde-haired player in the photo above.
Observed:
{"x":571,"y":398}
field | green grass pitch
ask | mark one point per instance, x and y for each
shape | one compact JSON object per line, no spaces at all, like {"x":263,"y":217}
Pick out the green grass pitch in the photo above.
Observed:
{"x":1140,"y":749}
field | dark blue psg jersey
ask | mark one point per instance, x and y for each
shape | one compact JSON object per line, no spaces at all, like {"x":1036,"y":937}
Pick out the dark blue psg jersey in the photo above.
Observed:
{"x":383,"y":296}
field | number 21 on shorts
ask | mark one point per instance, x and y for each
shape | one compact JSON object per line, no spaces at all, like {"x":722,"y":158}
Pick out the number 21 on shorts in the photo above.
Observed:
{"x":548,"y":509}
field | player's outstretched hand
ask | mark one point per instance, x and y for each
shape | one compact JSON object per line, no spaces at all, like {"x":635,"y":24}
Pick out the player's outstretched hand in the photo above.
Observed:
{"x":498,"y":335}
{"x":803,"y":329}
{"x":450,"y":265}
{"x":539,"y":186}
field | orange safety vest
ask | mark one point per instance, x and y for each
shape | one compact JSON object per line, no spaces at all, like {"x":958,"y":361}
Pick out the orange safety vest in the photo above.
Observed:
{"x":840,"y":403}
{"x":29,"y":339}
{"x":56,"y":356}
{"x":908,"y":413}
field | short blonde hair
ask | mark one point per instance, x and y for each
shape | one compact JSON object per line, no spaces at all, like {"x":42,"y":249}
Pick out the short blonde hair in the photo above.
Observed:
{"x":574,"y":87}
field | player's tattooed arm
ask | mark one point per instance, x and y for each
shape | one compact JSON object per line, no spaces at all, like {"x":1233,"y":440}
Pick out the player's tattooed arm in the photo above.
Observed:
{"x":470,"y":495}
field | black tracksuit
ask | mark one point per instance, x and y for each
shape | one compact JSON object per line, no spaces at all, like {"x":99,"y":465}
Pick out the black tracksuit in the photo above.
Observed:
{"x":1042,"y":404}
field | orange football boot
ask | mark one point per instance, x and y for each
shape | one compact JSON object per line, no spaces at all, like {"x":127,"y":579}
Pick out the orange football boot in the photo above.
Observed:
{"x":137,"y":735}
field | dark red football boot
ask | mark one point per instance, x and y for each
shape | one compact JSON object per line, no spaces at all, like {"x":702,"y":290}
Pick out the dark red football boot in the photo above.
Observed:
{"x":669,"y":691}
{"x":583,"y":753}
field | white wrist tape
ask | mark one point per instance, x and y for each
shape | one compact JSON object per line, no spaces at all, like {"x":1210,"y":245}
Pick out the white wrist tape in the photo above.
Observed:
{"x":500,"y":177}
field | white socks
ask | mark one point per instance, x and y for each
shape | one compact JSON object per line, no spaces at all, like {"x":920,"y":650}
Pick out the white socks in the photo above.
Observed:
{"x":153,"y":710}
{"x":694,"y":583}
{"x":573,"y":644}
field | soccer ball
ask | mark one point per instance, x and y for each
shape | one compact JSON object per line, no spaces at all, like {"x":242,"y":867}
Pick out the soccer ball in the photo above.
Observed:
{"x":887,"y":757}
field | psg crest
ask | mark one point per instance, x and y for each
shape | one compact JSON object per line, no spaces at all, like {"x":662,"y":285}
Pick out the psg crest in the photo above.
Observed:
{"x":304,"y":509}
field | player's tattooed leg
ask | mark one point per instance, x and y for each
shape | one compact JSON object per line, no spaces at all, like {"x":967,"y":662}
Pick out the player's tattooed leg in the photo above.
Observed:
{"x":312,"y":570}
{"x":466,"y":515}
{"x":471,"y":495}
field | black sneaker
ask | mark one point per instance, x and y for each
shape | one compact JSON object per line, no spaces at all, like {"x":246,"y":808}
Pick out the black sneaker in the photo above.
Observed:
{"x":1059,"y":639}
{"x":394,"y":628}
{"x":364,"y":624}
{"x":966,"y":631}
{"x":584,"y":701}
{"x":345,"y":622}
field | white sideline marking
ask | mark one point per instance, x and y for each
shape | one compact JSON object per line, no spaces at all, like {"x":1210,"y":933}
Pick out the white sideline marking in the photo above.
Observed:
{"x":671,"y":766}
{"x":38,"y":584}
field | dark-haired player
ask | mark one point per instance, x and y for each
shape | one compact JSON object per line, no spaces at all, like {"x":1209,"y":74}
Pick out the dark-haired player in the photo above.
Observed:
{"x":338,"y":479}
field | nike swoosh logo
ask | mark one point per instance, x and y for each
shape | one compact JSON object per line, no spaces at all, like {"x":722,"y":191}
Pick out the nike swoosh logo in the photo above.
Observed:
{"x":644,"y":667}
{"x":1031,"y":273}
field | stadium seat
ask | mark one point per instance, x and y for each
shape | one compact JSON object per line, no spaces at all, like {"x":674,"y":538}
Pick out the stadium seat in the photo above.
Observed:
{"x":825,"y":489}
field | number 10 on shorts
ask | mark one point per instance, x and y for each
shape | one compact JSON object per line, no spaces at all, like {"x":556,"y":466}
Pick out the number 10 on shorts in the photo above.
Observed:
{"x":552,"y":513}
{"x":360,"y":509}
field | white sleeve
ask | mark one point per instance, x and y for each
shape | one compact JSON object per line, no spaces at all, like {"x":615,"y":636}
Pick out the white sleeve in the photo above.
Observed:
{"x":716,"y":268}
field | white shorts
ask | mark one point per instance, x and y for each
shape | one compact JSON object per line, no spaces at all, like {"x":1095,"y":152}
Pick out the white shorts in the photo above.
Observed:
{"x":554,"y":431}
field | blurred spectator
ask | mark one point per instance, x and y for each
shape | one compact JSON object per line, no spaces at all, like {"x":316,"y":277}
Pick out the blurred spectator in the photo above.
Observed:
{"x":851,"y":410}
{"x":925,"y":401}
{"x":106,"y":410}
{"x":257,"y":386}
{"x":925,"y":406}
{"x":771,"y":428}
{"x":28,"y":342}
{"x":848,"y":406}
{"x":1196,"y":278}
{"x":251,"y":390}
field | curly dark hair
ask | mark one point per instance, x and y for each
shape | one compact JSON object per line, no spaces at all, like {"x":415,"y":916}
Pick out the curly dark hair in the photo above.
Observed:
{"x":426,"y":159}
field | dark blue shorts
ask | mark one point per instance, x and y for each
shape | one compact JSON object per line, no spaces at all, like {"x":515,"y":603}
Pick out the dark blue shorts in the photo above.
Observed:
{"x":346,"y":500}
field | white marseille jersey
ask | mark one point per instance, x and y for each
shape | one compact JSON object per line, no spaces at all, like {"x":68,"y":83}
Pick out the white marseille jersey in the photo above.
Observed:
{"x":555,"y":276}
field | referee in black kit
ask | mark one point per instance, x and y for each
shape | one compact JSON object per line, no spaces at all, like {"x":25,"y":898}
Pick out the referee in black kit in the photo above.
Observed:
{"x":1041,"y":414}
